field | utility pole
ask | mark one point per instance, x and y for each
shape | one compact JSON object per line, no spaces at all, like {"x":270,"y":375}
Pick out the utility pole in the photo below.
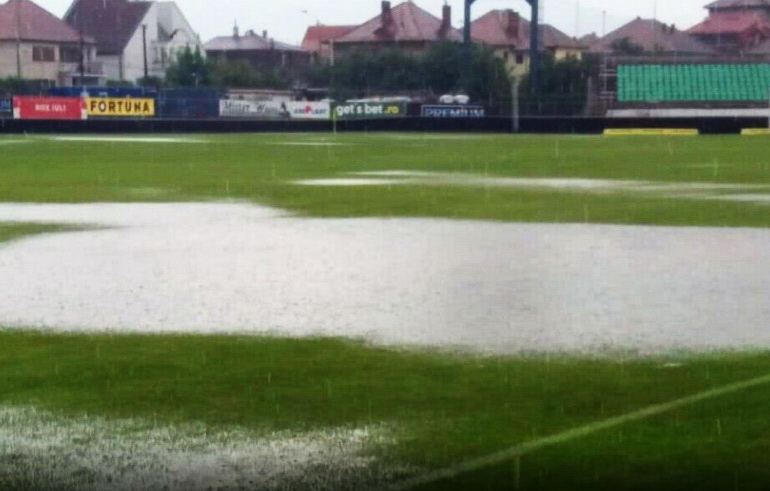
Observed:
{"x":82,"y":51}
{"x":144,"y":50}
{"x":18,"y":38}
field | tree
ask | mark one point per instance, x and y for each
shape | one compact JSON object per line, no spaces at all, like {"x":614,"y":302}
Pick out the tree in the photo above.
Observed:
{"x":225,"y":73}
{"x":188,"y":69}
{"x":12,"y":85}
{"x":563,"y":86}
{"x":438,"y":71}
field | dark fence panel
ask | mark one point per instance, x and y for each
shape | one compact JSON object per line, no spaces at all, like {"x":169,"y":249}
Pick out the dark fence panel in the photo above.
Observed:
{"x":6,"y":107}
{"x":188,"y":103}
{"x":550,"y":125}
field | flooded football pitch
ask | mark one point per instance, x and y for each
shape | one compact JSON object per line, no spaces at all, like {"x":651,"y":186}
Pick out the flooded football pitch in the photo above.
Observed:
{"x":480,"y":286}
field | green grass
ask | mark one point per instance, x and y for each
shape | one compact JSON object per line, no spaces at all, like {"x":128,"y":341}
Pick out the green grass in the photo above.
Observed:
{"x":13,"y":231}
{"x":258,"y":168}
{"x":445,"y":408}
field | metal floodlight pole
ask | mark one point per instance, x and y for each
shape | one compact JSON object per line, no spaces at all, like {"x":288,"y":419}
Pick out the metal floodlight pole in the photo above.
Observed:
{"x":534,"y":46}
{"x":468,"y":45}
{"x":467,"y":27}
{"x":515,"y":105}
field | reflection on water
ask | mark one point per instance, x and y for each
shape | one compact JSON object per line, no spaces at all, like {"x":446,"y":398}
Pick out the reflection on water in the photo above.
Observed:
{"x":484,"y":286}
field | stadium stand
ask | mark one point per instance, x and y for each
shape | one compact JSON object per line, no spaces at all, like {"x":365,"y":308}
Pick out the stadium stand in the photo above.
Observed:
{"x":693,"y":83}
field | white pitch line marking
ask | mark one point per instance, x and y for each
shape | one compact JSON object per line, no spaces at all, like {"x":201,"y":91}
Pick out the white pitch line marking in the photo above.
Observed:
{"x":574,"y":434}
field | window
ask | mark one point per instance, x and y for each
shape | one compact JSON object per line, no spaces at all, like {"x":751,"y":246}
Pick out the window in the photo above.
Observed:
{"x":519,"y":59}
{"x":69,"y":55}
{"x":43,"y":53}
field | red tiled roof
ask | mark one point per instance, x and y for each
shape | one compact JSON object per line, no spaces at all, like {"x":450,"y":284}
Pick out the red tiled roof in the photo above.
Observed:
{"x":507,"y":28}
{"x":111,"y":22}
{"x":732,"y":23}
{"x":30,"y":22}
{"x":738,"y":4}
{"x":654,"y":36}
{"x":408,"y":23}
{"x":318,"y":35}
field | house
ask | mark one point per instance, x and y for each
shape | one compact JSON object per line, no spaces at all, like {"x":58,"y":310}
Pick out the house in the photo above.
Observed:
{"x":319,"y":40}
{"x":37,"y":45}
{"x":651,"y":37}
{"x":405,"y":27}
{"x":261,"y":52}
{"x":134,"y":39}
{"x":508,"y":34}
{"x":734,"y":26}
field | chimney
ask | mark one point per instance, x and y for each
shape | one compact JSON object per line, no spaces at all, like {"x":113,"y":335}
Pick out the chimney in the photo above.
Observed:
{"x":236,"y":31}
{"x":264,"y":34}
{"x":513,"y":23}
{"x":446,"y":17}
{"x":387,"y":14}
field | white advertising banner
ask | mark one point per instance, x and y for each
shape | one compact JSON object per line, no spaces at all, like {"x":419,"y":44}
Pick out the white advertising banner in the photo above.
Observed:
{"x":274,"y":110}
{"x":310,"y":110}
{"x":251,"y":109}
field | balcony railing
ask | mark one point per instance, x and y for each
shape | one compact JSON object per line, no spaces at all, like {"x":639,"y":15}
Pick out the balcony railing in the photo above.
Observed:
{"x":91,"y":68}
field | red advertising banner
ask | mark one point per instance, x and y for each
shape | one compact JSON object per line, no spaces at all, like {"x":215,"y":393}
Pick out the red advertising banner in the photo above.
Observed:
{"x":49,"y":108}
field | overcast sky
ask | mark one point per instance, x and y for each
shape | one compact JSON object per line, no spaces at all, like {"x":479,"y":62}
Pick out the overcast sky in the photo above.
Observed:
{"x":287,"y":20}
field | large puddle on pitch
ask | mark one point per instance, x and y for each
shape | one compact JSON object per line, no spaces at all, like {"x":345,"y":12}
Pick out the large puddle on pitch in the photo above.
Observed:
{"x":493,"y":287}
{"x":45,"y":451}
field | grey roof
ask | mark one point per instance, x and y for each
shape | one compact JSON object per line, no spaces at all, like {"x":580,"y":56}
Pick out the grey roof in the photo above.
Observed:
{"x":247,"y":42}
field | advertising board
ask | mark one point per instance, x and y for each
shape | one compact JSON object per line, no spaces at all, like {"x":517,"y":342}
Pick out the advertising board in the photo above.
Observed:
{"x":456,"y":112}
{"x":48,"y":108}
{"x":120,"y":107}
{"x":310,"y":110}
{"x":651,"y":132}
{"x":253,"y":109}
{"x":6,"y":107}
{"x":370,"y":110}
{"x":274,"y":109}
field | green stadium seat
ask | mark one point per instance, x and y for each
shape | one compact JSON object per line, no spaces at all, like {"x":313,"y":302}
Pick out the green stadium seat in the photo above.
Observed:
{"x":683,"y":83}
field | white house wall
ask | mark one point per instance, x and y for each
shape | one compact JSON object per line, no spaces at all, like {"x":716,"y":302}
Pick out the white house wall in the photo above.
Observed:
{"x":111,"y":67}
{"x":130,"y":65}
{"x":133,"y":54}
{"x":173,"y":20}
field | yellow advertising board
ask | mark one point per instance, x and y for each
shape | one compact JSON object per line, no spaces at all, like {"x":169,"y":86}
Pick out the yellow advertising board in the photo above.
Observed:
{"x":115,"y":107}
{"x":651,"y":132}
{"x":755,"y":131}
